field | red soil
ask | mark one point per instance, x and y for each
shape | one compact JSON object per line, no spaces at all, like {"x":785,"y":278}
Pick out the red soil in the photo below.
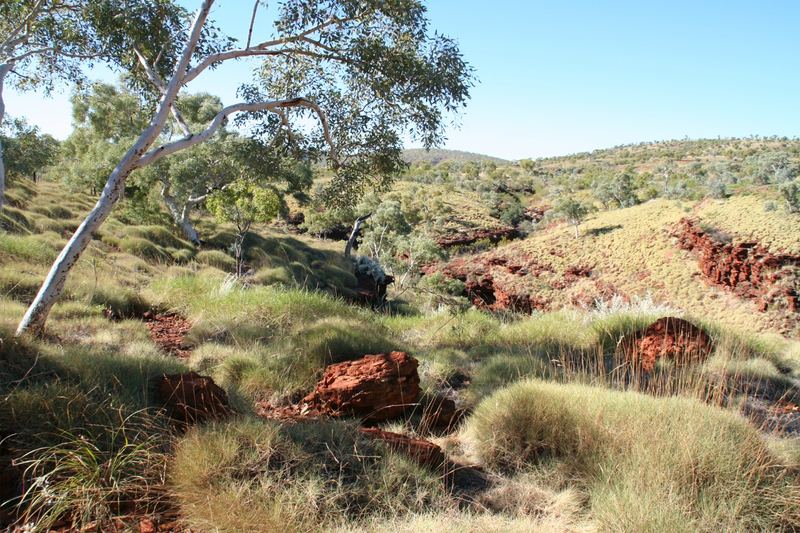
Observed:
{"x":168,"y":331}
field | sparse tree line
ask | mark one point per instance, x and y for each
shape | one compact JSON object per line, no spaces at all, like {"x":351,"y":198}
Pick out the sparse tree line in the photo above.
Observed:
{"x":625,"y":176}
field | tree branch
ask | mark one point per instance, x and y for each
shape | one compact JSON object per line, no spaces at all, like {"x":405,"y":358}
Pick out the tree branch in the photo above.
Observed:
{"x":158,"y":83}
{"x":34,"y":51}
{"x":256,"y":50}
{"x":9,"y":42}
{"x":273,"y":106}
{"x":252,"y":22}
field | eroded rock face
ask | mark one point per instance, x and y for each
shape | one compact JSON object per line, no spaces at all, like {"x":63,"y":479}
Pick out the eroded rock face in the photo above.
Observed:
{"x":488,"y":292}
{"x":747,"y":269}
{"x":670,"y":338}
{"x":191,"y":398}
{"x":421,"y":451}
{"x":375,"y":387}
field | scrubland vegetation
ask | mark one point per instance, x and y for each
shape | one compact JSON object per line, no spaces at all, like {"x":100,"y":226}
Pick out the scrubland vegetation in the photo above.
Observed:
{"x":570,"y":437}
{"x":523,"y":291}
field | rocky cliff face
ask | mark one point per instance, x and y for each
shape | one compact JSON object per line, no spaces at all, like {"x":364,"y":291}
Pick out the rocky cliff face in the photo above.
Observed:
{"x":746,"y":268}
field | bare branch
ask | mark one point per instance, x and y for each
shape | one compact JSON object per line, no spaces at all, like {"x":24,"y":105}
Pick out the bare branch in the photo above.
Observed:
{"x":252,"y":22}
{"x":273,"y":106}
{"x":35,"y":51}
{"x":256,"y":50}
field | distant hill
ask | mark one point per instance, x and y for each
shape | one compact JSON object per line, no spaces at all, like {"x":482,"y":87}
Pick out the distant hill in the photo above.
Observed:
{"x":437,"y":155}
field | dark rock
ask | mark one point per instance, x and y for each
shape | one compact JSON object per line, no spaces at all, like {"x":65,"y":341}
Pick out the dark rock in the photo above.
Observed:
{"x":191,"y":398}
{"x":440,"y":414}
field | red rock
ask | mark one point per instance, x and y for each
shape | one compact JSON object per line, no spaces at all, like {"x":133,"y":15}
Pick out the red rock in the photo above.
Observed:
{"x":487,"y":283}
{"x":421,"y":451}
{"x":668,"y":337}
{"x":147,"y":526}
{"x":191,"y":398}
{"x":747,"y":269}
{"x":375,"y":387}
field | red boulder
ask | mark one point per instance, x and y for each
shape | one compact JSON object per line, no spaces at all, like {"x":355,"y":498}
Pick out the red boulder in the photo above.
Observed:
{"x":375,"y":387}
{"x":671,"y":338}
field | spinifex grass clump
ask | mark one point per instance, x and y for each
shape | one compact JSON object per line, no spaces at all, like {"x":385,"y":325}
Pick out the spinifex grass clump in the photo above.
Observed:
{"x":251,"y":475}
{"x":646,"y":464}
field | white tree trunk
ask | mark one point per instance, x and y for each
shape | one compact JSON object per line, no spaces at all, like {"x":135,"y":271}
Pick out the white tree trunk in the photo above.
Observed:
{"x":180,"y":214}
{"x":348,"y":248}
{"x":36,"y":315}
{"x":4,"y":69}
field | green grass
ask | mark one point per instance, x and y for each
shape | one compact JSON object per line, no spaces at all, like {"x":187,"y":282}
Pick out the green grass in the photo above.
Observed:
{"x":217,"y":259}
{"x":647,"y":464}
{"x":251,"y":475}
{"x":567,"y":456}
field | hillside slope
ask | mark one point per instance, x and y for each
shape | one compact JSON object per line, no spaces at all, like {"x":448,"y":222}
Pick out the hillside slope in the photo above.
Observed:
{"x":633,"y":253}
{"x":90,"y":440}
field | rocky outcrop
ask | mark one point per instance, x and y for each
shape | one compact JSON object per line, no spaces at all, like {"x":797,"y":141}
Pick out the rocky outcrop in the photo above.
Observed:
{"x":470,"y":237}
{"x":746,"y":268}
{"x":421,"y":451}
{"x":486,"y":291}
{"x":375,"y":387}
{"x":536,"y":213}
{"x":191,"y":398}
{"x":668,"y":338}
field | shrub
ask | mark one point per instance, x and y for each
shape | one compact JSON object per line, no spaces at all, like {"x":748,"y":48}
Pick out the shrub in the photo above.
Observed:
{"x":791,"y":195}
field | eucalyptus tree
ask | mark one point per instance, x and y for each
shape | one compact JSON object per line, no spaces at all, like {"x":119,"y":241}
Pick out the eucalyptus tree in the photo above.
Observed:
{"x":27,"y":150}
{"x":243,"y":203}
{"x":47,"y":42}
{"x":573,"y":212}
{"x":40,"y":43}
{"x":367,"y":72}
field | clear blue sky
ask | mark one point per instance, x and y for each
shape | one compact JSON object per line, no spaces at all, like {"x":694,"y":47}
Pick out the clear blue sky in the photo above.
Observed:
{"x":558,"y":77}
